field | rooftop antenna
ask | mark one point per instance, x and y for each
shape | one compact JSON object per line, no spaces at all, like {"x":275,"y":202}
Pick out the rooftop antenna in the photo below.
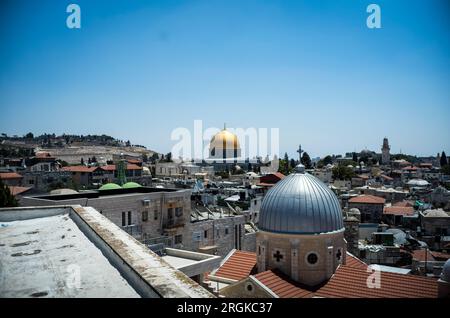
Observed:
{"x":224,"y":126}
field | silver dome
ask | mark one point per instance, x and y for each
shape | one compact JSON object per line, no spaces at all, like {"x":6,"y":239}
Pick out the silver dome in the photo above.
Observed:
{"x":445,"y":275}
{"x":300,"y":204}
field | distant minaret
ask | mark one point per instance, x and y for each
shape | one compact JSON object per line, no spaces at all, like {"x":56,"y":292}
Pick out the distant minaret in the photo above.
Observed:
{"x":385,"y":155}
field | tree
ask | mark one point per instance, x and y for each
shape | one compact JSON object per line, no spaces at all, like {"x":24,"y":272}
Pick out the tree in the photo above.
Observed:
{"x":284,"y":165}
{"x":327,"y":160}
{"x":355,"y":157}
{"x":293,"y":163}
{"x":82,"y":161}
{"x":169,"y":157}
{"x":342,"y":172}
{"x":29,"y":135}
{"x":6,"y":198}
{"x":306,"y":160}
{"x":444,"y":161}
{"x":446,"y":170}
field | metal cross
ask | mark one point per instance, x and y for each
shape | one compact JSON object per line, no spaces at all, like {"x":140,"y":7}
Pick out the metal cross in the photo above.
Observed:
{"x":300,"y":153}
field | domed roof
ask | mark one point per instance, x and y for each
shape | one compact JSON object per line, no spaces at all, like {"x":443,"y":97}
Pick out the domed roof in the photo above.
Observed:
{"x":110,"y":186}
{"x":224,"y":138}
{"x":300,"y":204}
{"x":445,"y":275}
{"x":130,"y":185}
{"x":63,"y":191}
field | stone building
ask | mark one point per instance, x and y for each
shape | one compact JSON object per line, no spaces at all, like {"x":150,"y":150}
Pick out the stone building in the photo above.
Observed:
{"x":370,"y":207}
{"x":142,"y":212}
{"x":11,"y":178}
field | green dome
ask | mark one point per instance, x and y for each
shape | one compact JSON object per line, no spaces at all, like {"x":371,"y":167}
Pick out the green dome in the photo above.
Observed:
{"x":110,"y":186}
{"x":130,"y":185}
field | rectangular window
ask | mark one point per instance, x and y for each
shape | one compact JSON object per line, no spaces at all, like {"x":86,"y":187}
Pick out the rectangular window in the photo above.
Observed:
{"x":170,"y":213}
{"x":155,"y":217}
{"x":178,"y":212}
{"x":144,"y":216}
{"x":178,"y":239}
{"x":205,"y":234}
{"x":226,"y":231}
{"x":123,"y":219}
{"x":129,"y":217}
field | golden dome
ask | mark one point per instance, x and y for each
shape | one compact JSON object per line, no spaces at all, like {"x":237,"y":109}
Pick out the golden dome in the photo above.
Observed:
{"x":224,"y":144}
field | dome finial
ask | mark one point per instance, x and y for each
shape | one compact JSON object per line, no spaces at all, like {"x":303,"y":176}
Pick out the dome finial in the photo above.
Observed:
{"x":300,"y":168}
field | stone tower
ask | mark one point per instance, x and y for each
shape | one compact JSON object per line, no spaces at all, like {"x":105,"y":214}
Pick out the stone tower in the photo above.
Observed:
{"x":385,"y":154}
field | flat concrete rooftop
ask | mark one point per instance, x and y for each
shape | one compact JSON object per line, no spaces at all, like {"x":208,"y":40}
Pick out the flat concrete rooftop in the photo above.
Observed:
{"x":45,"y":256}
{"x":74,"y":251}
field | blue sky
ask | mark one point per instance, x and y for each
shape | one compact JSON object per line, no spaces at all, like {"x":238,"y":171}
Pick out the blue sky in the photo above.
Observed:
{"x":138,"y":69}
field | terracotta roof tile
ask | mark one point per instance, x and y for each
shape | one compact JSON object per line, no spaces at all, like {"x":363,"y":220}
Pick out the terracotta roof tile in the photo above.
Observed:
{"x":16,"y":190}
{"x":113,"y":167}
{"x":403,"y":203}
{"x":439,"y":256}
{"x":282,"y":285}
{"x":354,"y":262}
{"x":399,"y":210}
{"x":10,"y":175}
{"x":420,"y":255}
{"x":369,"y":199}
{"x":238,"y":266}
{"x":348,"y":282}
{"x":79,"y":169}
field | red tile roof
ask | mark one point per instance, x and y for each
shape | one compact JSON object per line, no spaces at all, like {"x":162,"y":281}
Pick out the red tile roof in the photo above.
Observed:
{"x":43,"y":154}
{"x":439,"y":256}
{"x":419,"y":255}
{"x":348,"y":282}
{"x":385,"y":177}
{"x":238,"y":266}
{"x":113,"y":167}
{"x":15,"y":190}
{"x":403,"y":203}
{"x":279,"y":175}
{"x":354,"y":262}
{"x":399,"y":210}
{"x":79,"y":169}
{"x":411,"y":168}
{"x":282,"y":285}
{"x":368,"y":199}
{"x":134,"y":161}
{"x":10,"y":175}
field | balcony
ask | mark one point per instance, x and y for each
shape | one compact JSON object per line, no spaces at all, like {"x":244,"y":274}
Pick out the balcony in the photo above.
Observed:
{"x":174,"y":223}
{"x":133,"y":230}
